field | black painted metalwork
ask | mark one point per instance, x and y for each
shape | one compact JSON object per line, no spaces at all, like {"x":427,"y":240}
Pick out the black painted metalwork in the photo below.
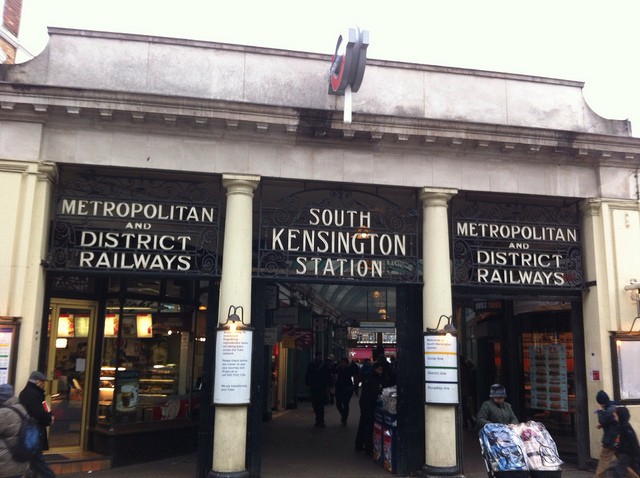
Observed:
{"x":152,"y":223}
{"x":516,"y":245}
{"x":329,"y":234}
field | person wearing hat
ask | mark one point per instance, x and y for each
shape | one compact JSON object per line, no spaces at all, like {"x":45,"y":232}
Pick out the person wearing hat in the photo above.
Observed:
{"x":10,"y":423}
{"x":32,"y":398}
{"x":611,"y":430}
{"x":496,"y":410}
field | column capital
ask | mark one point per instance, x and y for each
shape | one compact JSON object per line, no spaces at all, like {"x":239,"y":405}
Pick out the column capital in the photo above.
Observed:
{"x":590,"y":207}
{"x":436,"y":196}
{"x":239,"y":183}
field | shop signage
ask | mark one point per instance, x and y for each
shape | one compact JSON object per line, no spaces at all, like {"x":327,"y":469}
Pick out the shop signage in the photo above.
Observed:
{"x":135,"y":225}
{"x":233,"y":367}
{"x":441,"y":368}
{"x":516,"y":245}
{"x":329,"y":234}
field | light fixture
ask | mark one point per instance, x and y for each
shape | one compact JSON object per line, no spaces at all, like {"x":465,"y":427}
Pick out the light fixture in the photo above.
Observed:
{"x":65,"y":325}
{"x":634,"y":292}
{"x":81,"y":325}
{"x":234,"y":317}
{"x":144,"y":325}
{"x":111,"y":325}
{"x":447,"y":329}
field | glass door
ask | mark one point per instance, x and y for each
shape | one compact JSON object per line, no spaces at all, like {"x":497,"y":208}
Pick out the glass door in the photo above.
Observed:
{"x":71,"y":337}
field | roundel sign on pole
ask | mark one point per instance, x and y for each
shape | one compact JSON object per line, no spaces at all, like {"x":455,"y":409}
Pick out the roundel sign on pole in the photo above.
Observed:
{"x":349,"y":61}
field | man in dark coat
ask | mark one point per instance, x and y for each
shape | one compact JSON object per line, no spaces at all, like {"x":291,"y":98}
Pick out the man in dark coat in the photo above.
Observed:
{"x":32,"y":399}
{"x":371,"y":390}
{"x":344,"y":389}
{"x":628,"y":451}
{"x":318,"y":379}
{"x":610,"y":428}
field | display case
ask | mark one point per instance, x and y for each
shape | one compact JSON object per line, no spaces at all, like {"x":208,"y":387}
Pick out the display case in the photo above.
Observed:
{"x":158,"y":381}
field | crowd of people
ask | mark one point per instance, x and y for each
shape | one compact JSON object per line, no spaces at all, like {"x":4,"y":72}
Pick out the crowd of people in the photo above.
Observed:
{"x":336,"y":382}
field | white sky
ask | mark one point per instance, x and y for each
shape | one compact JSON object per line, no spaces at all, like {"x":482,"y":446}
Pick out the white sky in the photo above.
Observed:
{"x":594,"y":41}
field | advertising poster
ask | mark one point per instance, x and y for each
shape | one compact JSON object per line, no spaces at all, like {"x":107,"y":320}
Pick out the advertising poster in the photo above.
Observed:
{"x":126,"y":395}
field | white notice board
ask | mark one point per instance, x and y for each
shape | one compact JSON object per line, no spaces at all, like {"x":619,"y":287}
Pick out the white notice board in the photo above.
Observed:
{"x":232,"y":384}
{"x":628,"y":376}
{"x":441,"y":369}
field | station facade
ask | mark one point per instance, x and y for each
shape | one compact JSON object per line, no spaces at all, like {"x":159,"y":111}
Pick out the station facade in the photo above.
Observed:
{"x":157,"y":190}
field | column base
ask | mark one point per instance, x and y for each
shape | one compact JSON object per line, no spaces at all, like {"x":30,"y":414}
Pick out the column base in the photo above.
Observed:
{"x":228,"y":474}
{"x":441,"y":471}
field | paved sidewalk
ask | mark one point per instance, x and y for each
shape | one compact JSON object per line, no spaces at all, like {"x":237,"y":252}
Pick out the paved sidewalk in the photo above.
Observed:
{"x":293,"y":448}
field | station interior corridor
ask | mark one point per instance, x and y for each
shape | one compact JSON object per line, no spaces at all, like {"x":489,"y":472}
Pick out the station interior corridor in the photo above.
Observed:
{"x":293,"y":447}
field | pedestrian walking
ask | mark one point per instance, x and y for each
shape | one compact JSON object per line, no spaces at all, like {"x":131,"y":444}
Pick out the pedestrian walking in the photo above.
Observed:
{"x":610,"y":431}
{"x":33,"y":399}
{"x":318,"y":379}
{"x":10,"y":424}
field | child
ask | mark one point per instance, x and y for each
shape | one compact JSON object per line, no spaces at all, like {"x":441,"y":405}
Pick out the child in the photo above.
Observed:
{"x":628,"y":450}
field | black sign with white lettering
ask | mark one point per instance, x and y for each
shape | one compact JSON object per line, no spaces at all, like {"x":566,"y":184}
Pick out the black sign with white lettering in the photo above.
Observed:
{"x":516,"y":245}
{"x":108,"y":222}
{"x":329,"y":234}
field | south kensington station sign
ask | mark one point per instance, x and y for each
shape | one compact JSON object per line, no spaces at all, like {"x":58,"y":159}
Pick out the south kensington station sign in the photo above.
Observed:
{"x":338,"y":234}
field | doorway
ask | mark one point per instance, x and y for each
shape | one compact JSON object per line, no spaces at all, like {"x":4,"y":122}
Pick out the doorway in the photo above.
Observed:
{"x":529,"y":346}
{"x":71,"y":339}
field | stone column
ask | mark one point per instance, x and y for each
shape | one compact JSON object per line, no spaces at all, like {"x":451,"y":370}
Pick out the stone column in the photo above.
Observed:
{"x":230,"y":429}
{"x":441,"y":428}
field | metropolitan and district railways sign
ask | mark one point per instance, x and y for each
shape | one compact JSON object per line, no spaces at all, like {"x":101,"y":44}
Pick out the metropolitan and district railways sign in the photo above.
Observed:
{"x":516,"y":246}
{"x":172,"y":235}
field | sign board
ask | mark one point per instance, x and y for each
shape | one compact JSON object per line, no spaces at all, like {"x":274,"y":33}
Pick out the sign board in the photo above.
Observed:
{"x":6,"y":350}
{"x":626,"y":355}
{"x":325,"y":234}
{"x":441,"y":369}
{"x":500,"y":244}
{"x":232,"y":384}
{"x":150,"y":224}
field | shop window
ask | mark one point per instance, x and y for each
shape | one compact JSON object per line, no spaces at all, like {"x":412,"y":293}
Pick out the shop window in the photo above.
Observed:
{"x":146,"y":362}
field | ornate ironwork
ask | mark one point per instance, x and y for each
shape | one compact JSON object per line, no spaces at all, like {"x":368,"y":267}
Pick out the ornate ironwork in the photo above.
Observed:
{"x":328,"y":234}
{"x":153,"y":223}
{"x":516,"y":245}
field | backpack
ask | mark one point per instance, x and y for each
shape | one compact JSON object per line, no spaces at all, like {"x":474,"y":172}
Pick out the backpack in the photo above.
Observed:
{"x":28,"y":443}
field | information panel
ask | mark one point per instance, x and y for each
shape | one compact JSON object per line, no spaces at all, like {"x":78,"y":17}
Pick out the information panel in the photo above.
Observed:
{"x":6,"y":343}
{"x":233,"y":367}
{"x":441,"y":369}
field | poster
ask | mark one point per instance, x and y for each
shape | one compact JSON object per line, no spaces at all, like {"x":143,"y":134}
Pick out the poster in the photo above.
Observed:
{"x":548,"y":376}
{"x":126,"y":395}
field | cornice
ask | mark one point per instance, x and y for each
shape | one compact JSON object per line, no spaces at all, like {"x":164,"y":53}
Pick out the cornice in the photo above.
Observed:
{"x":211,"y":117}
